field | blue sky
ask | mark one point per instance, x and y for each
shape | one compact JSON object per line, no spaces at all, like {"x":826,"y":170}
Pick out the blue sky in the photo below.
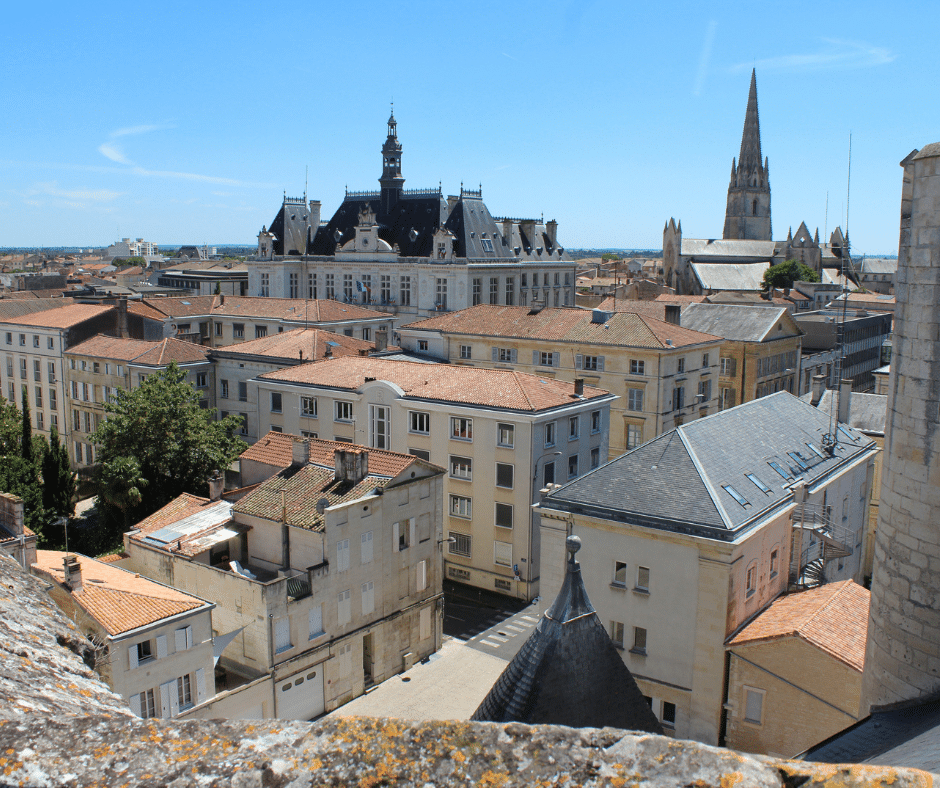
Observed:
{"x":186,"y":122}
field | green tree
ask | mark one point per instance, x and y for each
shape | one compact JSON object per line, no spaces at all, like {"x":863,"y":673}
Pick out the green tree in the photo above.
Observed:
{"x":26,"y":439}
{"x":175,"y":443}
{"x":218,"y":288}
{"x":11,"y":425}
{"x":19,"y":477}
{"x":786,"y":273}
{"x":58,"y":480}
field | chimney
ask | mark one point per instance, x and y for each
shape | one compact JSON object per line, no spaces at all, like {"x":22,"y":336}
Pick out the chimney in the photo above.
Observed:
{"x":221,"y":299}
{"x":381,"y":339}
{"x":536,"y":307}
{"x":122,"y":329}
{"x":579,"y":387}
{"x":674,"y":314}
{"x":216,"y":485}
{"x":328,"y":353}
{"x":600,"y":316}
{"x":73,"y":573}
{"x":845,"y":400}
{"x":314,"y":215}
{"x":352,"y":465}
{"x":819,"y":388}
{"x":551,"y":230}
{"x":300,"y":452}
{"x":451,"y":202}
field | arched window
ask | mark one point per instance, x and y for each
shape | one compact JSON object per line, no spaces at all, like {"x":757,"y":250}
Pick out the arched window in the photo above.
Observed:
{"x":754,"y":208}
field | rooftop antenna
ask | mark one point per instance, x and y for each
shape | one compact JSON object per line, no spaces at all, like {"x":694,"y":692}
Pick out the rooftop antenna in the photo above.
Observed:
{"x":826,"y":220}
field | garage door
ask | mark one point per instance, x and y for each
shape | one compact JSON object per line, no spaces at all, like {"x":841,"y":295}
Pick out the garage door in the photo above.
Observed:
{"x":301,"y":696}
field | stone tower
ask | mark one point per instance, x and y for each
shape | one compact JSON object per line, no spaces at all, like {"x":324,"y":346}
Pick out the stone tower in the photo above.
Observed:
{"x":748,"y":211}
{"x":391,"y":180}
{"x":903,"y":657}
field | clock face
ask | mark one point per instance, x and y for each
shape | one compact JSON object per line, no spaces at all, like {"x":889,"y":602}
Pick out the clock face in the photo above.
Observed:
{"x":365,"y":242}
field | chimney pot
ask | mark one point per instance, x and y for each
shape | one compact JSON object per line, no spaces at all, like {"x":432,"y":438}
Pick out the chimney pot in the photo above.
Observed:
{"x":579,"y":387}
{"x":216,"y":485}
{"x":674,"y":314}
{"x":819,"y":388}
{"x":381,"y":339}
{"x":73,"y":573}
{"x":300,"y":451}
{"x":845,"y":400}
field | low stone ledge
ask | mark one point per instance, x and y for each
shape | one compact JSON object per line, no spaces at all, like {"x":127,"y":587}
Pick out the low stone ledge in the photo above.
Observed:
{"x":92,"y":751}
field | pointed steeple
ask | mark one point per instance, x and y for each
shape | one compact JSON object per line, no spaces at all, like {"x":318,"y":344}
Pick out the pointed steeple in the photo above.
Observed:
{"x":391,"y":180}
{"x":569,"y":672}
{"x":750,"y":157}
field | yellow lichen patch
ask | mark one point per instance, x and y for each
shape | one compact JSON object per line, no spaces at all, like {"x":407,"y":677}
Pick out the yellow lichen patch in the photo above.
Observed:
{"x":490,"y":779}
{"x":731,"y":780}
{"x":458,"y":756}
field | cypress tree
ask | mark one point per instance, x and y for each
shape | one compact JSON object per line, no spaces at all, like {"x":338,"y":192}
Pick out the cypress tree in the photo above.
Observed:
{"x":26,"y":441}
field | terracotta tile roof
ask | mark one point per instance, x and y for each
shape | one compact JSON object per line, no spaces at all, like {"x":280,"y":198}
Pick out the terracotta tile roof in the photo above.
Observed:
{"x":276,"y":449}
{"x":140,"y":351}
{"x":832,"y":617}
{"x":652,"y":309}
{"x":497,"y":388}
{"x":143,"y":310}
{"x":113,"y":558}
{"x":119,"y":600}
{"x":312,"y":342}
{"x":65,"y":316}
{"x":296,"y":309}
{"x":623,"y":329}
{"x":302,"y":491}
{"x":671,"y":298}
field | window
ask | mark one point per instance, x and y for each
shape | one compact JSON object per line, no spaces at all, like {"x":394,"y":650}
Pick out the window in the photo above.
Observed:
{"x":635,"y":399}
{"x":502,"y":553}
{"x":461,"y":468}
{"x":41,"y":422}
{"x":35,"y":341}
{"x":276,"y":402}
{"x":183,"y":638}
{"x":510,"y":284}
{"x":494,"y":289}
{"x":308,"y":407}
{"x":343,"y":608}
{"x":725,"y":398}
{"x":550,"y":433}
{"x":37,"y":369}
{"x":461,"y":429}
{"x":461,"y":506}
{"x":642,"y":579}
{"x":637,"y":367}
{"x":504,"y":515}
{"x":504,"y":475}
{"x":218,"y":329}
{"x":704,"y":391}
{"x":10,"y":366}
{"x":368,"y":597}
{"x":753,"y":706}
{"x":726,"y":366}
{"x":476,"y":292}
{"x":669,"y":714}
{"x":76,"y":420}
{"x":50,"y":371}
{"x":379,"y":426}
{"x":342,"y":411}
{"x":774,"y":562}
{"x":442,"y":294}
{"x":574,"y":423}
{"x":223,"y":385}
{"x":23,"y":340}
{"x":141,"y":652}
{"x":148,"y":705}
{"x":460,"y":545}
{"x":548,"y":474}
{"x":242,"y":391}
{"x":9,"y":338}
{"x":402,"y":534}
{"x":545,"y":358}
{"x":419,"y":422}
{"x":315,"y":621}
{"x":385,"y":290}
{"x":504,"y":355}
{"x":261,"y":331}
{"x":238,"y":330}
{"x":750,"y":585}
{"x":422,"y":346}
{"x":52,"y":399}
{"x":639,"y":641}
{"x":265,"y":285}
{"x":466,"y":351}
{"x":421,"y":454}
{"x":680,"y":366}
{"x":678,"y":398}
{"x":342,"y":555}
{"x":504,"y":435}
{"x":38,"y":397}
{"x":365,"y":548}
{"x":620,"y":574}
{"x":572,"y":466}
{"x":294,"y":286}
{"x":184,"y":691}
{"x":202,"y":380}
{"x":616,"y":633}
{"x":22,"y":369}
{"x":405,"y":290}
{"x":595,"y":422}
{"x":595,"y":458}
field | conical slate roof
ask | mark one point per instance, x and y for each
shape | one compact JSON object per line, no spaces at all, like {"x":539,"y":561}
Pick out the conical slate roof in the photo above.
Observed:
{"x":750,"y":156}
{"x":569,"y":672}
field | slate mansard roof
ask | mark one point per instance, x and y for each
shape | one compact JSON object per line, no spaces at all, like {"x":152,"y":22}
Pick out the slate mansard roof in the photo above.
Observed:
{"x":738,"y":323}
{"x":687,"y":479}
{"x":569,"y":672}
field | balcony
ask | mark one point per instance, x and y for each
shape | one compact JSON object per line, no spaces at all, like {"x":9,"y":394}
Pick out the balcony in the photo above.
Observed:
{"x":817,"y":540}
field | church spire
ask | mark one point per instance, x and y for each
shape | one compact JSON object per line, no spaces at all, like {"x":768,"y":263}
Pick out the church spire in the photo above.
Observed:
{"x":748,"y":212}
{"x":391,"y":180}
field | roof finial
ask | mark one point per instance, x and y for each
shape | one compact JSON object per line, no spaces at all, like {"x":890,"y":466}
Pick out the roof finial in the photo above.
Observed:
{"x":572,"y":545}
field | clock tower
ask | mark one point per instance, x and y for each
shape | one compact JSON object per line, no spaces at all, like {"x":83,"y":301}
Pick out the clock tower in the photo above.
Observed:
{"x":391,"y":180}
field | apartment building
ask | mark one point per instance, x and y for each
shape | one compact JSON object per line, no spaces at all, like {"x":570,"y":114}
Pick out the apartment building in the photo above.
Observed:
{"x":663,"y":374}
{"x":235,"y":365}
{"x":688,"y":537}
{"x":33,"y":348}
{"x":327,"y":577}
{"x":501,"y":434}
{"x":153,"y":644}
{"x":99,"y":367}
{"x":220,"y":320}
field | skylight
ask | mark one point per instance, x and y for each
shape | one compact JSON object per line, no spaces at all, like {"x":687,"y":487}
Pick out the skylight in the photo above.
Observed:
{"x":795,"y":456}
{"x":735,"y":494}
{"x":758,"y":483}
{"x":848,"y":434}
{"x":186,"y":302}
{"x":816,"y":451}
{"x":779,"y":469}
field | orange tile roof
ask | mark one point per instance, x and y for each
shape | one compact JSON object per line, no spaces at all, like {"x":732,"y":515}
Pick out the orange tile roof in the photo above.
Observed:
{"x":671,"y":298}
{"x":497,"y":388}
{"x":119,"y":600}
{"x":623,"y":329}
{"x":140,"y":351}
{"x":276,"y":449}
{"x":312,"y":342}
{"x":60,"y":317}
{"x":295,"y":309}
{"x":143,"y":310}
{"x":832,"y":617}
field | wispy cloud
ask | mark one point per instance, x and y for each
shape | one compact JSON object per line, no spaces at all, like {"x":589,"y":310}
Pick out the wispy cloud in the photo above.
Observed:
{"x":833,"y":54}
{"x":52,"y":189}
{"x":706,"y":57}
{"x":510,"y":57}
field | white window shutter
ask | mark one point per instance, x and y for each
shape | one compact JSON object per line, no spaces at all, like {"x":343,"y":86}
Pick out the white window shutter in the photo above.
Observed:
{"x":578,"y":361}
{"x":422,"y":575}
{"x":174,"y":698}
{"x":132,"y":656}
{"x":189,"y":637}
{"x":555,"y":359}
{"x":512,"y":355}
{"x":535,"y":357}
{"x":495,"y":354}
{"x":165,"y":693}
{"x":201,"y":685}
{"x":180,"y":635}
{"x":161,"y":646}
{"x":395,"y":527}
{"x":135,"y":703}
{"x":600,"y":363}
{"x":411,"y":531}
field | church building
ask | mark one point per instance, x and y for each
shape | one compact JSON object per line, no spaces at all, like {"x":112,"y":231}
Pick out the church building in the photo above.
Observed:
{"x":747,"y":238}
{"x":412,"y":253}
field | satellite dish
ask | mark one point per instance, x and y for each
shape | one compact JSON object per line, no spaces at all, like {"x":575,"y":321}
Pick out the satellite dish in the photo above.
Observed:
{"x":321,"y":505}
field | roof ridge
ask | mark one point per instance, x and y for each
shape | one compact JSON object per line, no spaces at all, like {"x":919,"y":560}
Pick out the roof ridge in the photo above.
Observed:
{"x":525,"y":394}
{"x":825,"y":604}
{"x":706,"y":482}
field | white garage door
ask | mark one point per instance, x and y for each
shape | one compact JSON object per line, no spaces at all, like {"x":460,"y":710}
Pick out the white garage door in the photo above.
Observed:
{"x":301,"y":696}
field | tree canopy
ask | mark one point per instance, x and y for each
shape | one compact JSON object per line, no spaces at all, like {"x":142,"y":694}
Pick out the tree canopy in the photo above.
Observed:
{"x":786,"y":273}
{"x":156,"y":443}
